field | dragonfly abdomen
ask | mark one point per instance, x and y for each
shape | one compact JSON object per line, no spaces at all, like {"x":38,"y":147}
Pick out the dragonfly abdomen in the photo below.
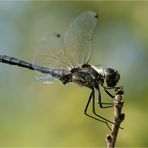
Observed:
{"x":15,"y":61}
{"x":58,"y":73}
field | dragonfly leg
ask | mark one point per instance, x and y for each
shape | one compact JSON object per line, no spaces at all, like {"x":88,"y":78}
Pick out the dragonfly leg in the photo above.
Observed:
{"x":99,"y":100}
{"x":93,"y":110}
{"x":115,"y":87}
{"x":112,"y":96}
{"x":102,"y":118}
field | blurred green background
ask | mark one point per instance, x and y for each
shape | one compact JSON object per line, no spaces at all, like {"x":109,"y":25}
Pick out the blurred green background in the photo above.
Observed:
{"x":36,"y":114}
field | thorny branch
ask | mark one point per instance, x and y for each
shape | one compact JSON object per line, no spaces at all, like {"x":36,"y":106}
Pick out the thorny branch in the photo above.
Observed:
{"x":117,"y":119}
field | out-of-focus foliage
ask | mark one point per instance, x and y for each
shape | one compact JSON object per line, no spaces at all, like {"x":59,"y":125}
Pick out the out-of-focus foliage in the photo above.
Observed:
{"x":35,"y":114}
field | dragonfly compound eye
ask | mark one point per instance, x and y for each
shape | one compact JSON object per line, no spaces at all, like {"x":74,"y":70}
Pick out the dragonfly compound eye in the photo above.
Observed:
{"x":111,"y":77}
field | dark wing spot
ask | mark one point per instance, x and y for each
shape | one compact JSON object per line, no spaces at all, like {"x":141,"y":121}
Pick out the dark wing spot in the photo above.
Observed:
{"x":96,"y":16}
{"x":58,"y":35}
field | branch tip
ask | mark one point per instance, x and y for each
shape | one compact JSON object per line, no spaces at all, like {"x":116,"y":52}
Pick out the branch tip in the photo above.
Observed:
{"x":117,"y":118}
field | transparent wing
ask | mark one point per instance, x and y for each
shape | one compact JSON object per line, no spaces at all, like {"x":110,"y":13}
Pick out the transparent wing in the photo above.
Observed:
{"x":50,"y":54}
{"x":78,"y":38}
{"x":56,"y":52}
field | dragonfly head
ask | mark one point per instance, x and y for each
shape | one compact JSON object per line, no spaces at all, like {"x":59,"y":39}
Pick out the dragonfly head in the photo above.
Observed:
{"x":111,"y":77}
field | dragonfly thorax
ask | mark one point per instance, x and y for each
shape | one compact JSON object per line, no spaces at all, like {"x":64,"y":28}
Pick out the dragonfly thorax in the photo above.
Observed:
{"x":108,"y":77}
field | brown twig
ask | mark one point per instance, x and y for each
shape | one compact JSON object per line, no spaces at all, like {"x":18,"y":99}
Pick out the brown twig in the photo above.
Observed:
{"x":117,"y":119}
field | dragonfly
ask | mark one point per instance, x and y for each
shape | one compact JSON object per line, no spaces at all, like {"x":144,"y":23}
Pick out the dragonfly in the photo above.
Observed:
{"x":66,"y":58}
